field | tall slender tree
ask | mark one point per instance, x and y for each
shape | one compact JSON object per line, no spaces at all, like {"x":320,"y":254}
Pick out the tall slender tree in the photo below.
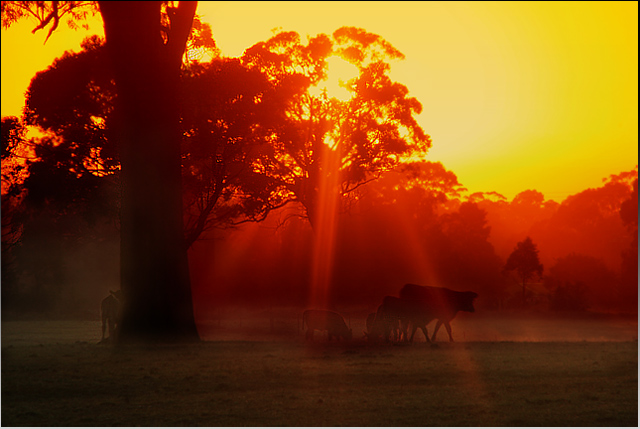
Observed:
{"x":524,"y":260}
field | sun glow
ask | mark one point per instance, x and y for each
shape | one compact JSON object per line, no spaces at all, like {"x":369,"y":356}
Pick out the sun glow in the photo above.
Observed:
{"x":340,"y":72}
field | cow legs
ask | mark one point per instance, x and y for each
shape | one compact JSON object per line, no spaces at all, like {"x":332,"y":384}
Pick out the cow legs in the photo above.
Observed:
{"x":423,"y":327}
{"x":448,"y":326}
{"x":435,"y":330}
{"x":405,"y":332}
{"x":425,"y":332}
{"x":414,"y":328}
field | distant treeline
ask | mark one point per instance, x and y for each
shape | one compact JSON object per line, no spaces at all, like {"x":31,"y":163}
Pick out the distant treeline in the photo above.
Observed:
{"x":402,"y":229}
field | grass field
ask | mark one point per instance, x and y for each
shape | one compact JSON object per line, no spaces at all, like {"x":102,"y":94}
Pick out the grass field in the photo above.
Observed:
{"x":54,"y":374}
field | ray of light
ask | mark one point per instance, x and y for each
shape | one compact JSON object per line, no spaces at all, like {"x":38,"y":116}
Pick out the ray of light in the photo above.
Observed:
{"x":325,"y":229}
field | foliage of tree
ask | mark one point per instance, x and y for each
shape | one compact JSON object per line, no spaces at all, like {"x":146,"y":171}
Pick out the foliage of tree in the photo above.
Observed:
{"x":629,"y":268}
{"x":345,"y":142}
{"x":513,"y":218}
{"x":469,"y":256}
{"x":227,"y":123}
{"x":231,"y":116}
{"x":13,"y":137}
{"x":585,"y":280}
{"x":219,"y":118}
{"x":48,"y":13}
{"x":588,"y":222}
{"x":12,"y":134}
{"x":525,"y":262}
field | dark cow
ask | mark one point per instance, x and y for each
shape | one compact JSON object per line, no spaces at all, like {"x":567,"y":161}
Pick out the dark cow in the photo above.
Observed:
{"x":399,"y":313}
{"x":378,"y":327}
{"x":322,"y":320}
{"x":110,"y":309}
{"x":439,"y":303}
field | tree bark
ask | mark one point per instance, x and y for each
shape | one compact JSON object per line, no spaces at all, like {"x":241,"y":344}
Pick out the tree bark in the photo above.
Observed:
{"x":154,"y":265}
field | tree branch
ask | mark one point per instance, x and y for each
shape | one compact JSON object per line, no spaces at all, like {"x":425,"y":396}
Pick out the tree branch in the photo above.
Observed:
{"x":181,"y":19}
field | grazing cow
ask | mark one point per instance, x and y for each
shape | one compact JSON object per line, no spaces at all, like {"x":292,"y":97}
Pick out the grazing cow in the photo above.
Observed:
{"x":322,"y":320}
{"x":110,"y":309}
{"x":439,"y":303}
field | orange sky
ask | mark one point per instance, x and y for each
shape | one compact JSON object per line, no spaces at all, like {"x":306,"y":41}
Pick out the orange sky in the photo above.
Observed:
{"x":516,"y":96}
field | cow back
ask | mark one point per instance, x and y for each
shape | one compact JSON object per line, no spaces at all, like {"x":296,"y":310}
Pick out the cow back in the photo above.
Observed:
{"x":394,"y":308}
{"x":439,"y":300}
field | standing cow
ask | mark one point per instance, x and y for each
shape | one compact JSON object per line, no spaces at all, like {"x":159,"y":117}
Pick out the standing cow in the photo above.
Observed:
{"x":110,"y":309}
{"x":439,"y":303}
{"x":323,"y":320}
{"x":397,"y":314}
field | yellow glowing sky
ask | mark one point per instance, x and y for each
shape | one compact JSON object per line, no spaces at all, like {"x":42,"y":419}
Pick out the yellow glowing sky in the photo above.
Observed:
{"x":516,"y":96}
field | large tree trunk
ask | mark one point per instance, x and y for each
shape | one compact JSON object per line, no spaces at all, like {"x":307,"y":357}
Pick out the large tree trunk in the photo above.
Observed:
{"x":154,"y":266}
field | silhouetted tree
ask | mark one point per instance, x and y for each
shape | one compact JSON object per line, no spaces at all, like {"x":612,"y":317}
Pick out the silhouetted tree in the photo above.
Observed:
{"x":13,"y":138}
{"x":524,"y":260}
{"x":146,"y":56}
{"x":629,"y":268}
{"x":586,"y":279}
{"x":228,"y":124}
{"x":513,"y":218}
{"x":467,"y":257}
{"x":589,"y":223}
{"x":219,"y":184}
{"x":347,"y":143}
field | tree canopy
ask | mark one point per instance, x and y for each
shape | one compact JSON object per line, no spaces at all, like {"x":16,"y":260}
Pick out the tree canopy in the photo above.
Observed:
{"x":316,"y":136}
{"x":248,"y":146}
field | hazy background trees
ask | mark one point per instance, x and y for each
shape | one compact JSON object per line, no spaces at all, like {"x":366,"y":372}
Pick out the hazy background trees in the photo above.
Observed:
{"x":255,"y":135}
{"x":525,"y":263}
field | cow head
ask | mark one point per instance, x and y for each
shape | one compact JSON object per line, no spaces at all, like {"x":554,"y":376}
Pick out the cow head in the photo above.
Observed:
{"x":467,"y":301}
